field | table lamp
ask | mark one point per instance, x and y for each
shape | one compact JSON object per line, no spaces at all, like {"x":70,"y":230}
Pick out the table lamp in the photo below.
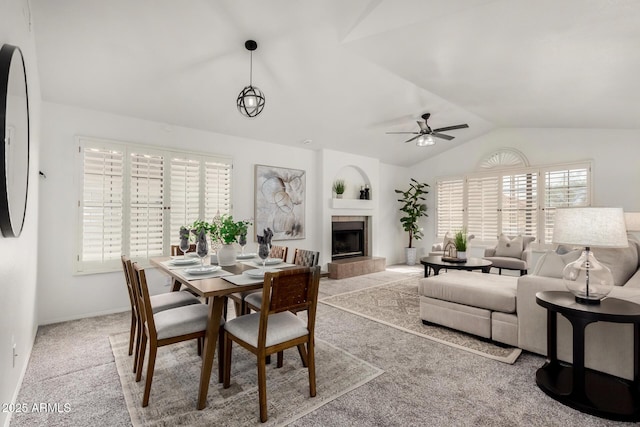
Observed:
{"x":586,"y":278}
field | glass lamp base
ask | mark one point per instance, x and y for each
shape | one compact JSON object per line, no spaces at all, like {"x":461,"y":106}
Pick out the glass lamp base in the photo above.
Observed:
{"x":588,"y":279}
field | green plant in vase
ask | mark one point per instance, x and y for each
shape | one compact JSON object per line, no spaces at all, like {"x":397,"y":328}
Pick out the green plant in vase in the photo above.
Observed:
{"x":229,"y":231}
{"x":339,"y":187}
{"x":460,"y":242}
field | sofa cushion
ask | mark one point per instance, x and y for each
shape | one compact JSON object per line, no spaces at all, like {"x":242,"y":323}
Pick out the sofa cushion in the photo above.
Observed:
{"x":488,"y":291}
{"x":509,"y":247}
{"x":623,"y":262}
{"x":507,"y":262}
{"x":552,"y":263}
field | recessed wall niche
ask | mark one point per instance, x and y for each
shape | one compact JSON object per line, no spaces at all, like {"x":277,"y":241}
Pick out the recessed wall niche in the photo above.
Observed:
{"x":354,"y":178}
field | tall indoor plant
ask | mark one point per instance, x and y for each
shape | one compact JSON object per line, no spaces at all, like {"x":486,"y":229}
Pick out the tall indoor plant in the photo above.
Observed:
{"x":414,"y":208}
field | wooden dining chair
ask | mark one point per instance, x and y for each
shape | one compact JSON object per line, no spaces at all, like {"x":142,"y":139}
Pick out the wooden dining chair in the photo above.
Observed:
{"x":301,"y":257}
{"x":279,"y":252}
{"x":159,"y":302}
{"x":275,"y":328}
{"x":167,"y":327}
{"x":175,"y":249}
{"x":238,"y":298}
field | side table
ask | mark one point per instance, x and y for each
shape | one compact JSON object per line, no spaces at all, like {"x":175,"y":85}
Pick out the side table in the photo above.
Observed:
{"x":584,"y":389}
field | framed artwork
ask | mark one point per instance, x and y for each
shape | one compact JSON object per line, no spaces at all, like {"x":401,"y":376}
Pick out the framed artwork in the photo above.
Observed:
{"x":280,"y":202}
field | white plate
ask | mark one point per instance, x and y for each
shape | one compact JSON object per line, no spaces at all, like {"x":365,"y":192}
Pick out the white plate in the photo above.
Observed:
{"x":183,"y":261}
{"x":257,"y":273}
{"x":269,"y":261}
{"x":245,"y":256}
{"x":202,"y":270}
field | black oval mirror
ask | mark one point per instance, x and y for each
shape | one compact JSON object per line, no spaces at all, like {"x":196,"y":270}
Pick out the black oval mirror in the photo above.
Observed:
{"x":14,"y":126}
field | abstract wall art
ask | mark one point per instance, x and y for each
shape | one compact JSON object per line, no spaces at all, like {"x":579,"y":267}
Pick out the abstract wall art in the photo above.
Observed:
{"x":280,"y":202}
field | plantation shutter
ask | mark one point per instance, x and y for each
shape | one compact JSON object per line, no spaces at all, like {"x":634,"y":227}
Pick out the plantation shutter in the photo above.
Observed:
{"x":450,"y":207}
{"x":146,"y":205}
{"x":482,"y":207}
{"x":185,"y":194}
{"x":564,"y":188}
{"x":217,"y":183}
{"x":101,"y":205}
{"x":519,"y":204}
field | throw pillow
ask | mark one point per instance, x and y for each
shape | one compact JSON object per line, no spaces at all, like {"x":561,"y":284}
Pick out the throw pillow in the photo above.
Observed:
{"x":623,"y":262}
{"x":551,"y":263}
{"x":509,"y":247}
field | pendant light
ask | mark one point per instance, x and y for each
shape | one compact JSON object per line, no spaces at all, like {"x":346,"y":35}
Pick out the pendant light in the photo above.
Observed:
{"x":251,"y":99}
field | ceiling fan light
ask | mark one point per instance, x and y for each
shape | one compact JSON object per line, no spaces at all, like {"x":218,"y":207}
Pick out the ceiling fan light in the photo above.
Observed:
{"x":429,"y":140}
{"x":421,"y":141}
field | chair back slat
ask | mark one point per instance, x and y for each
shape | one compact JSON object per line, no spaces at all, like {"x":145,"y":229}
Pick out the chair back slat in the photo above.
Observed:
{"x":127,"y":277}
{"x":306,"y":258}
{"x":279,"y":252}
{"x":146,"y":310}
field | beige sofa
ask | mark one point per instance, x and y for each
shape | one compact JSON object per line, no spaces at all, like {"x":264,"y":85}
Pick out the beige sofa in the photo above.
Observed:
{"x":608,"y":346}
{"x":504,"y":308}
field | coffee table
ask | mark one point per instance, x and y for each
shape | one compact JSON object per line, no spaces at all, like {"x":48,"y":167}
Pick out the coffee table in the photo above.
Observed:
{"x":437,"y":264}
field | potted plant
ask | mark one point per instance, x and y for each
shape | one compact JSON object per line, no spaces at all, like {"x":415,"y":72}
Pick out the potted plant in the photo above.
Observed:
{"x":460,"y":241}
{"x":228,"y":232}
{"x":338,"y":188}
{"x":414,"y":208}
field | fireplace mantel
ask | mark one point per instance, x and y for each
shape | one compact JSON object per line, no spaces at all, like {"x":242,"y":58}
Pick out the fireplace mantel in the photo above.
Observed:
{"x":352,"y":204}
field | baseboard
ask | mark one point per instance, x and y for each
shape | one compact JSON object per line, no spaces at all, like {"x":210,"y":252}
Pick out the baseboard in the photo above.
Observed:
{"x":84,"y":316}
{"x":23,"y":372}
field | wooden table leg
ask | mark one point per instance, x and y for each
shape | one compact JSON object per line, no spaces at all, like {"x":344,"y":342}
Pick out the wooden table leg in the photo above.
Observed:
{"x":210,"y":340}
{"x":176,"y":286}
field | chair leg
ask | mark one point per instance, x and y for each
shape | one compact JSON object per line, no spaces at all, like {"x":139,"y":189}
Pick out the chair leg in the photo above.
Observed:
{"x":303,"y":355}
{"x":138,"y":344}
{"x":221,"y":355}
{"x":132,"y":332}
{"x":153,"y":350}
{"x":312,"y":368}
{"x":237,"y":308}
{"x":280,"y":359}
{"x":226,"y":380}
{"x":143,"y":349}
{"x":499,"y":271}
{"x":199,"y":346}
{"x":262,"y":388}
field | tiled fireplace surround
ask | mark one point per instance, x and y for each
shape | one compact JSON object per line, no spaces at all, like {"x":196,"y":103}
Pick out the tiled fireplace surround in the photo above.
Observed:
{"x":356,"y":266}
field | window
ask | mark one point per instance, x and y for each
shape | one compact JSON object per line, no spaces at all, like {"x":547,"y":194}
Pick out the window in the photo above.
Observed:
{"x":133,"y":199}
{"x":513,"y":201}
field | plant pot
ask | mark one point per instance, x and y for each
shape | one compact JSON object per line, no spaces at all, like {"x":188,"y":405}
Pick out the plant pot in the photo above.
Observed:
{"x":411,"y":255}
{"x":227,"y":255}
{"x":338,"y":196}
{"x":462,"y":254}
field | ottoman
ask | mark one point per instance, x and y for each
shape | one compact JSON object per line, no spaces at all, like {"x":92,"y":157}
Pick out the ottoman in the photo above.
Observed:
{"x":479,"y":304}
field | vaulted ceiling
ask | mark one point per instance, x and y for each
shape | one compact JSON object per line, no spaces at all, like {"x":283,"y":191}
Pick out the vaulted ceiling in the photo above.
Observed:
{"x":342,"y":73}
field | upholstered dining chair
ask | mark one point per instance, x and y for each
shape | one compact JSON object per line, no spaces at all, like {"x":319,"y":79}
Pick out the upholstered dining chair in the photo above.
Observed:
{"x":238,"y":298}
{"x":166,"y":327}
{"x":301,"y":257}
{"x":275,"y":327}
{"x":159,"y":303}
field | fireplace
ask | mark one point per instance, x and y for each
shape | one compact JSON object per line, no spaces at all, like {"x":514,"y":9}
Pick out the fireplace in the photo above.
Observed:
{"x":347,"y":239}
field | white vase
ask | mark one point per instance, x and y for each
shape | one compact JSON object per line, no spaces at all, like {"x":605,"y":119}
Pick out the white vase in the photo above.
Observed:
{"x":411,"y":255}
{"x":227,"y":255}
{"x":462,"y":254}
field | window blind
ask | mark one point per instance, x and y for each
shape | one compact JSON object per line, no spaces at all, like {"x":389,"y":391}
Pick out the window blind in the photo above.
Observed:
{"x":133,"y":199}
{"x":482,"y":207}
{"x":519,"y":207}
{"x":450,"y":206}
{"x":101,"y":205}
{"x":564,"y":188}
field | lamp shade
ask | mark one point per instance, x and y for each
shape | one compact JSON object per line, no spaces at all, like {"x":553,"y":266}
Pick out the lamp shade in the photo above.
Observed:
{"x":590,"y":226}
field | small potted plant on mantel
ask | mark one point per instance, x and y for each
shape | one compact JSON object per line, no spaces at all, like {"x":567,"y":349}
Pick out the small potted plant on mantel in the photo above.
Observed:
{"x":338,"y":188}
{"x":414,"y":208}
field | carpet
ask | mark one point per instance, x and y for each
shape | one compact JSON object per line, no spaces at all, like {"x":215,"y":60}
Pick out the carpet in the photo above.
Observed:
{"x":397,"y":304}
{"x":177,"y":373}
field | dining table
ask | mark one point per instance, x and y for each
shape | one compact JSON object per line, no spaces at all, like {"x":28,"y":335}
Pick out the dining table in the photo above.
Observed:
{"x":216,"y":290}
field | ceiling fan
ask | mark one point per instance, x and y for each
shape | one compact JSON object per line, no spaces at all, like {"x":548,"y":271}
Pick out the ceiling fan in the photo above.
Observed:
{"x":426,"y":134}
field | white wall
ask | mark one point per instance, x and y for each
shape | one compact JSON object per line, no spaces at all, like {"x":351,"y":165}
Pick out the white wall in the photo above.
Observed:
{"x":19,"y":256}
{"x":65,"y":296}
{"x":615,"y":155}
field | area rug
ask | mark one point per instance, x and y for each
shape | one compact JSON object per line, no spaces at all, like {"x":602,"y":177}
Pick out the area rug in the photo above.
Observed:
{"x":397,"y":304}
{"x":174,"y":389}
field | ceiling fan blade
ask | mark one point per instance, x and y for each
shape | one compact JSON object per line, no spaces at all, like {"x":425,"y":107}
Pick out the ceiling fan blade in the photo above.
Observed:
{"x":415,"y":137}
{"x":451,"y":128}
{"x":423,"y":126}
{"x":414,"y":133}
{"x":442,"y":135}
